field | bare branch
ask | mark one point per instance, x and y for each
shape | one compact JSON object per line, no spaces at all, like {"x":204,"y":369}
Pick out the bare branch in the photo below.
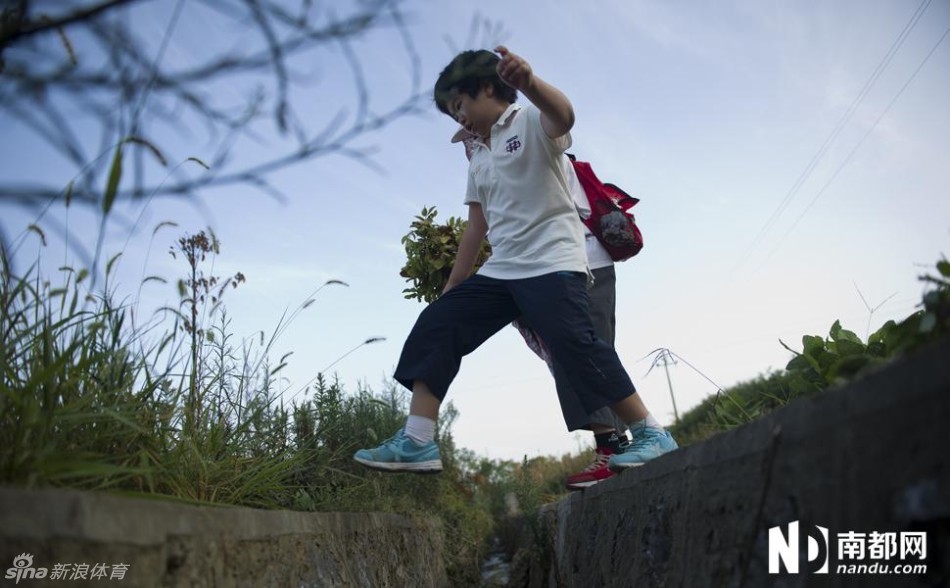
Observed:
{"x":45,"y":23}
{"x":217,"y":98}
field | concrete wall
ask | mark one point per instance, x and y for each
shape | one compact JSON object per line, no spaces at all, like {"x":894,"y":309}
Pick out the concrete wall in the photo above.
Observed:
{"x":167,"y":544}
{"x":874,"y":456}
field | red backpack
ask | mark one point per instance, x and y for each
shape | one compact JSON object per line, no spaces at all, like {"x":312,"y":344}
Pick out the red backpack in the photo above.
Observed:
{"x":609,"y":219}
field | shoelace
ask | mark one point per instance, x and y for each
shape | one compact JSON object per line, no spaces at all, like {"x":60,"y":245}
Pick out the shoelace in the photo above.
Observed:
{"x":400,"y":434}
{"x":600,"y":460}
{"x":641,"y":441}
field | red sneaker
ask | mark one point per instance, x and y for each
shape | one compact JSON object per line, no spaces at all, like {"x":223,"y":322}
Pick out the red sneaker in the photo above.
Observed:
{"x":596,"y":472}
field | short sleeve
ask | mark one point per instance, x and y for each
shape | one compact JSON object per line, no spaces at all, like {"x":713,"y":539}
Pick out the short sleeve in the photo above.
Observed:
{"x":556,"y":146}
{"x":471,"y":191}
{"x":581,"y":203}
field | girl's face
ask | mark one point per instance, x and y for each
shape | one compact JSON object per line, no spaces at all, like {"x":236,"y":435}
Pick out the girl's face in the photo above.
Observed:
{"x":477,"y":114}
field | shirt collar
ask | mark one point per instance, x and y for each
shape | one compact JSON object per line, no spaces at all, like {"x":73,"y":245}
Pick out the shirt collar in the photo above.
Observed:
{"x":462,"y":135}
{"x":507,"y":115}
{"x":503,"y":121}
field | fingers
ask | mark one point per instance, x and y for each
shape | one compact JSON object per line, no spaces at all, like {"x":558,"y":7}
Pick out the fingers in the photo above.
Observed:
{"x":508,"y":60}
{"x":512,"y":69}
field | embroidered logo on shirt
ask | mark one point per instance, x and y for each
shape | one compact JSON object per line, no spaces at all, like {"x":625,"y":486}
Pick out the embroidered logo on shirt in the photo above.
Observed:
{"x":513,"y":144}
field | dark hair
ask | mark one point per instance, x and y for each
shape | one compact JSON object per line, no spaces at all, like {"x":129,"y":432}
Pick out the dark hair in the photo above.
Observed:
{"x":467,"y":74}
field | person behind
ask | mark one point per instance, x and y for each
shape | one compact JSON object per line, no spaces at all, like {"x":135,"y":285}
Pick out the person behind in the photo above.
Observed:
{"x":610,"y":433}
{"x":518,"y":191}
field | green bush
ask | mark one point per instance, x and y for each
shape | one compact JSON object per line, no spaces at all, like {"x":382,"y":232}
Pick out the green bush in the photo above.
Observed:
{"x":430,"y":254}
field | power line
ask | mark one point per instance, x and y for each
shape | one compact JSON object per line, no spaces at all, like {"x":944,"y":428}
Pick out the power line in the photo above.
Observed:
{"x":830,"y":139}
{"x":867,"y":134}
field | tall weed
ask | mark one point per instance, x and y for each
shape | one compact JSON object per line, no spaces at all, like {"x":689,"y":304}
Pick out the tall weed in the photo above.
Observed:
{"x":183,"y":408}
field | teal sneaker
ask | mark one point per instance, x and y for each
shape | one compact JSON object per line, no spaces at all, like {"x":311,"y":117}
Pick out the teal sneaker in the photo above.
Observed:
{"x":399,"y":453}
{"x":647,"y":443}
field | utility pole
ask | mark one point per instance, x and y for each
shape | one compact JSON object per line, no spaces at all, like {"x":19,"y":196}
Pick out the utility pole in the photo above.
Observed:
{"x":667,"y":360}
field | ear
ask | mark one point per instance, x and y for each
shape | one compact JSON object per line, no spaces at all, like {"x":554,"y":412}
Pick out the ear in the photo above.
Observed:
{"x":489,"y":90}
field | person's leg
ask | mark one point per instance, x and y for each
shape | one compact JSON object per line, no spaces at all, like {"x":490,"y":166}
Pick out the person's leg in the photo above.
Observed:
{"x":603,"y":303}
{"x":609,"y":431}
{"x":601,"y":306}
{"x":556,"y":305}
{"x":608,"y":441}
{"x":448,"y":329}
{"x":424,"y":403}
{"x":603,"y":313}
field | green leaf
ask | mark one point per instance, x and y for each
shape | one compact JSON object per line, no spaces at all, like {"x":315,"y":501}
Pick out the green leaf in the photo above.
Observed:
{"x":825,"y":360}
{"x":112,"y":185}
{"x":881,"y":334}
{"x":799,"y":362}
{"x":848,"y":348}
{"x":812,"y":363}
{"x":111,"y":262}
{"x":811,"y":344}
{"x":901,"y":336}
{"x":846,"y":335}
{"x":943,"y":266}
{"x":835,"y":329}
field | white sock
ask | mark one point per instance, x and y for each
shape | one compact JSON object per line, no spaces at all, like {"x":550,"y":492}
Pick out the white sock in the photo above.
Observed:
{"x":420,"y":429}
{"x":649,"y":422}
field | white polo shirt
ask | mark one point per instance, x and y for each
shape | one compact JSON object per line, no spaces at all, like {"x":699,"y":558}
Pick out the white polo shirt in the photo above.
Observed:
{"x":524,"y":191}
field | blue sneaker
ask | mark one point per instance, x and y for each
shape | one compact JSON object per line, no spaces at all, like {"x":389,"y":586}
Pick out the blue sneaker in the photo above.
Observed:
{"x":399,"y":453}
{"x":647,"y":443}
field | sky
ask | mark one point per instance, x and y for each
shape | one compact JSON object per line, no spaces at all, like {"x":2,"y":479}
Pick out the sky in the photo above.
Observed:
{"x":791,"y":159}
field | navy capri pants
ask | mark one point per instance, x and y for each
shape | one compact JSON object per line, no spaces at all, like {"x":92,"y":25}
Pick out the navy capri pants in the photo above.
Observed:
{"x":555,"y":305}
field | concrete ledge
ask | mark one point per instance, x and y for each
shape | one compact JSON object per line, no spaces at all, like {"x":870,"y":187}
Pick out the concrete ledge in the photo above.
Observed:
{"x":167,"y":544}
{"x":874,"y":456}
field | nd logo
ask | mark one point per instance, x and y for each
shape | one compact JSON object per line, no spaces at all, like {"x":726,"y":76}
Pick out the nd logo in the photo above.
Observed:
{"x":786,"y":548}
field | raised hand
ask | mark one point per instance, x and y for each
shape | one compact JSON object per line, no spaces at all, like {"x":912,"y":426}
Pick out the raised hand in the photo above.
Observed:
{"x":513,"y":69}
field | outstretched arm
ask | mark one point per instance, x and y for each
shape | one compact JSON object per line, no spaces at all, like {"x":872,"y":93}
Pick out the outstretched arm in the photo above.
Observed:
{"x":557,"y":113}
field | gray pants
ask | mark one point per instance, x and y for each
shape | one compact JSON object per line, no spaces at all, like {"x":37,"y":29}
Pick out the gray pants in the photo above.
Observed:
{"x":603,"y":304}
